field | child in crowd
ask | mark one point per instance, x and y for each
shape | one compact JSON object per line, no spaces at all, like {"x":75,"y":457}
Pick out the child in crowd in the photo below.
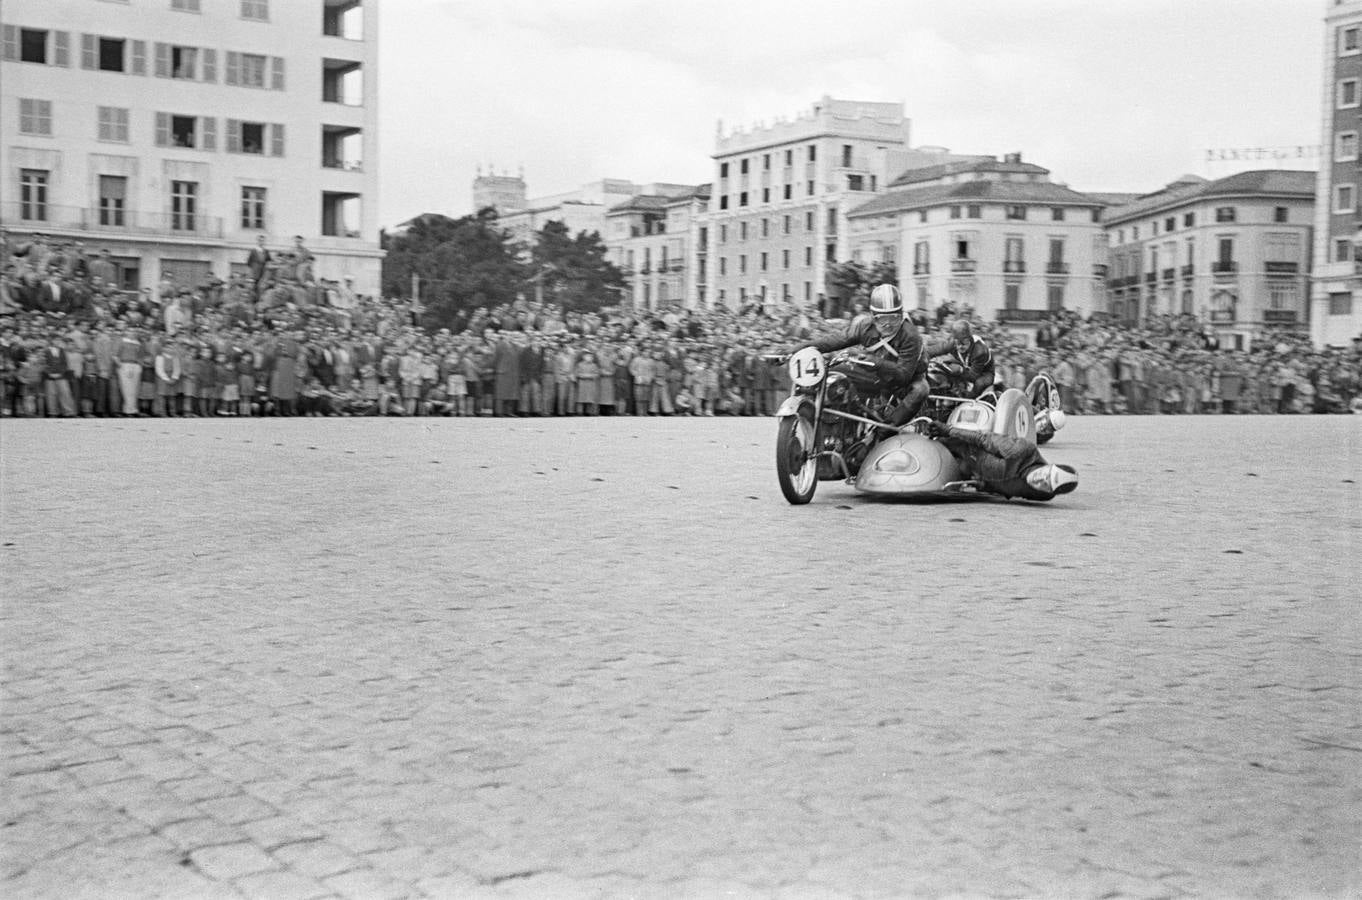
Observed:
{"x":230,"y":379}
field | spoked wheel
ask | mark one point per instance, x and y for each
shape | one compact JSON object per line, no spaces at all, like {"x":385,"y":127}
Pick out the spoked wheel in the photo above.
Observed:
{"x":796,"y":466}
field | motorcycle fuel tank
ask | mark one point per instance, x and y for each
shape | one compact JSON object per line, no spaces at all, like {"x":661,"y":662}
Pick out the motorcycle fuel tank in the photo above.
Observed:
{"x":907,"y":464}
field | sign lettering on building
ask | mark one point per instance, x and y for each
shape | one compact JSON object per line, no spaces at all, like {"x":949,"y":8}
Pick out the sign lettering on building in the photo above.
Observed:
{"x":1258,"y":154}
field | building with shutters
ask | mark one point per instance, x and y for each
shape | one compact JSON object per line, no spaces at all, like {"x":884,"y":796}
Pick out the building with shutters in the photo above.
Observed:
{"x":997,"y":236}
{"x":1336,"y":291}
{"x":1233,"y":252}
{"x":659,"y":240}
{"x":174,"y":132}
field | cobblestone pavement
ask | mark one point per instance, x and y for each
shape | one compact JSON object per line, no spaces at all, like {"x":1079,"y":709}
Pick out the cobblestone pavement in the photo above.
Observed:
{"x":524,"y":658}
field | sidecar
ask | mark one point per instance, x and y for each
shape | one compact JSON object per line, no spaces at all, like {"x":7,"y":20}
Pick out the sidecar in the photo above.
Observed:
{"x":914,"y":465}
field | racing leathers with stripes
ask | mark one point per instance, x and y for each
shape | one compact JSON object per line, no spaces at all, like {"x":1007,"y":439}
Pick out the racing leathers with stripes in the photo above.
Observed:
{"x":900,"y":361}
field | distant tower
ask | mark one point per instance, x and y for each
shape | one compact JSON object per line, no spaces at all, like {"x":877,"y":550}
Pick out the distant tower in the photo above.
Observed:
{"x":505,"y":193}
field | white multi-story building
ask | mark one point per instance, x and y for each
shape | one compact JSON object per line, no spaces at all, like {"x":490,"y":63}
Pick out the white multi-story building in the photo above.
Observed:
{"x":1234,"y":252}
{"x":581,"y":210}
{"x":658,"y":240}
{"x":175,"y":132}
{"x":777,"y":214}
{"x":996,"y":236}
{"x":1336,"y":293}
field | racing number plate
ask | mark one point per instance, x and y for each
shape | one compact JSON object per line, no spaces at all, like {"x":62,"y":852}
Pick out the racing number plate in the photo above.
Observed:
{"x":806,"y":367}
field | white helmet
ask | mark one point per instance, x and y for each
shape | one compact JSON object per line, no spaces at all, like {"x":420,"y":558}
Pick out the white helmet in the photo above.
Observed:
{"x":885,"y":299}
{"x":1057,"y":419}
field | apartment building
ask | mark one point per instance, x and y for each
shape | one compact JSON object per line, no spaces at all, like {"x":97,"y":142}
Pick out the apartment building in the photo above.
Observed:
{"x":994,"y":235}
{"x":658,"y":239}
{"x":174,"y":132}
{"x":1336,"y":294}
{"x":781,"y":193}
{"x":1234,"y":252}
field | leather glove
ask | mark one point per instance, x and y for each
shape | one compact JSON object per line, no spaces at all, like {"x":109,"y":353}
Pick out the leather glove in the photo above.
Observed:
{"x":937,"y":429}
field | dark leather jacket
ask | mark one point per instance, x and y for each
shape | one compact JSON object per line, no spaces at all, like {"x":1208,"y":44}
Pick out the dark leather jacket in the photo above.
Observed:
{"x":901,"y":360}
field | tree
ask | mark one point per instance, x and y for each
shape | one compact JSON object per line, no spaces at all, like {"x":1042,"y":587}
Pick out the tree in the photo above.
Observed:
{"x":852,"y":282}
{"x":461,"y":264}
{"x":573,"y":271}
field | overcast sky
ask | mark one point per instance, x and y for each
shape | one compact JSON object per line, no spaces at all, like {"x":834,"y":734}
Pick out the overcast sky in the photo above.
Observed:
{"x":1110,"y":95}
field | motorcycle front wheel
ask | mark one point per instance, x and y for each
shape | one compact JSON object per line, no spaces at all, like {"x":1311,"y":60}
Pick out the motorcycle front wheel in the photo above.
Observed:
{"x":796,"y":467}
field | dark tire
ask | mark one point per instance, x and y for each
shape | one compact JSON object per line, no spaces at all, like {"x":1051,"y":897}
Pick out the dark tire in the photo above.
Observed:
{"x":796,"y":469}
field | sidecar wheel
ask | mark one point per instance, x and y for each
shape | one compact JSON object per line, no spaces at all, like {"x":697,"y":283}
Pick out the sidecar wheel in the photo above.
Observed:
{"x":796,"y":469}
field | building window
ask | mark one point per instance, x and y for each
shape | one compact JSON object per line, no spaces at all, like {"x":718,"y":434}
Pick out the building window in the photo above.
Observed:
{"x":113,"y":124}
{"x":184,"y":63}
{"x":785,"y":259}
{"x":261,"y":138}
{"x":808,"y":221}
{"x":1154,"y":228}
{"x":1057,"y":214}
{"x":1224,"y":214}
{"x":789,"y":191}
{"x":955,"y":212}
{"x":1096,"y":215}
{"x":974,"y":211}
{"x":765,"y":195}
{"x":810,"y":189}
{"x":723,"y":234}
{"x":184,"y":197}
{"x":742,"y":167}
{"x":765,"y":227}
{"x":1345,"y":146}
{"x":110,"y":54}
{"x":808,"y":256}
{"x":253,"y":208}
{"x":32,"y":45}
{"x":742,"y":231}
{"x":1347,"y":40}
{"x":113,"y":200}
{"x":1016,"y":212}
{"x":1188,"y":220}
{"x":785,"y":225}
{"x":253,"y":70}
{"x":742,"y":198}
{"x":723,"y":265}
{"x":1345,"y":198}
{"x":1011,"y":295}
{"x":256,"y":10}
{"x":1347,"y":93}
{"x":1281,"y":295}
{"x":1341,"y":303}
{"x":855,"y":182}
{"x":1280,"y":215}
{"x":33,"y":194}
{"x":723,"y":201}
{"x":1343,"y":250}
{"x":742,"y":264}
{"x":1170,"y":223}
{"x":723,"y":170}
{"x":35,"y":116}
{"x":763,"y":261}
{"x":1054,"y":297}
{"x":185,"y":5}
{"x":813,"y":152}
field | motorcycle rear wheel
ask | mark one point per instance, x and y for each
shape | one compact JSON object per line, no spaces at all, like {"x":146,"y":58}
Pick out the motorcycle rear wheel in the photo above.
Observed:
{"x":796,"y":468}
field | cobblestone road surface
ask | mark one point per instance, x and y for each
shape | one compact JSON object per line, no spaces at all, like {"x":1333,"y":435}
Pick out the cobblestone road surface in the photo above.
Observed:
{"x":489,"y":658}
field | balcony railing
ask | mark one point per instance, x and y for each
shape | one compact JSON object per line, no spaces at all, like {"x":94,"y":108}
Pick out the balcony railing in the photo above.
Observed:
{"x":132,"y":222}
{"x":1168,"y":273}
{"x":1187,"y":271}
{"x":347,"y":165}
{"x":964,"y":265}
{"x":1279,"y":316}
{"x":1014,"y":266}
{"x":922,"y":268}
{"x":1282,"y":268}
{"x":1056,"y":268}
{"x":1224,"y":267}
{"x":1222,"y":316}
{"x":1099,"y":270}
{"x":1023,"y":315}
{"x":1150,"y":277}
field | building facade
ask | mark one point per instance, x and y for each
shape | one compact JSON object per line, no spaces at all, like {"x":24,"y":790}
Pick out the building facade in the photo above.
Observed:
{"x":504,"y":193}
{"x":781,"y":193}
{"x":659,"y":241}
{"x":1234,"y":252}
{"x":581,"y":210}
{"x":174,"y":132}
{"x":1336,"y":291}
{"x":996,"y":236}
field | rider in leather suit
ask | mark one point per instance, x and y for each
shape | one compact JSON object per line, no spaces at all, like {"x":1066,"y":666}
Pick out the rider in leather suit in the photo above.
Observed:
{"x":970,"y":353}
{"x":1007,"y":465}
{"x":895,"y":346}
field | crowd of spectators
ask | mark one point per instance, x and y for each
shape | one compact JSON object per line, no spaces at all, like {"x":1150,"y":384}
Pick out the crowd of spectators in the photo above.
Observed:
{"x":275,"y":341}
